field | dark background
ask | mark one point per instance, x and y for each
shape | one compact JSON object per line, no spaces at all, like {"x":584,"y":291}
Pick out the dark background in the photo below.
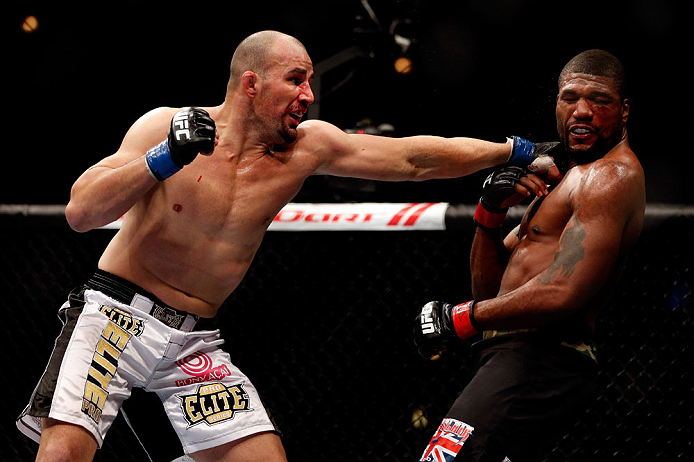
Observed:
{"x":336,"y":327}
{"x":322,"y":325}
{"x":484,"y":69}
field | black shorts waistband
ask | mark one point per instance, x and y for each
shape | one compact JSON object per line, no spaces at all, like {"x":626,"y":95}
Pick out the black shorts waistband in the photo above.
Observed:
{"x":131,"y":294}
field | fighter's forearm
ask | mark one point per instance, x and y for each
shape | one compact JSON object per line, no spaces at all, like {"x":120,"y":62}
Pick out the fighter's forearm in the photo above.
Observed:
{"x":103,"y":194}
{"x":533,"y":304}
{"x":435,"y":157}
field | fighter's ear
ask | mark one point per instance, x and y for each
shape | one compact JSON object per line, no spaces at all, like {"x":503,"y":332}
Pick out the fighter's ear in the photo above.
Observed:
{"x":250,"y":83}
{"x":625,"y":110}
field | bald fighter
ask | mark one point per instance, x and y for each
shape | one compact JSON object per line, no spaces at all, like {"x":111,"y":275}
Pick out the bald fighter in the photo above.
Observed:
{"x":198,"y":188}
{"x":538,"y":291}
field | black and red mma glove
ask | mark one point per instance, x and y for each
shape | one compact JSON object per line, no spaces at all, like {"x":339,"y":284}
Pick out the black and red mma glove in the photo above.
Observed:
{"x":439,"y":323}
{"x":499,"y":186}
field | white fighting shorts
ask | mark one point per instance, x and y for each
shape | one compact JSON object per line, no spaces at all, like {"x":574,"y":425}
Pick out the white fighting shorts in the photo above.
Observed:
{"x":115,"y":337}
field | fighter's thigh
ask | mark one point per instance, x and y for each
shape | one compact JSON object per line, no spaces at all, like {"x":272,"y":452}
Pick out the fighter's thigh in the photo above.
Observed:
{"x":260,"y":447}
{"x":61,"y":441}
{"x":469,"y":430}
{"x":94,"y":373}
{"x":208,"y":400}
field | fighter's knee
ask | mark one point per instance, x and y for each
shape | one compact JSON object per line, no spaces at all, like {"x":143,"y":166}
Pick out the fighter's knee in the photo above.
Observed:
{"x":261,"y":447}
{"x":62,"y":442}
{"x":57,"y":451}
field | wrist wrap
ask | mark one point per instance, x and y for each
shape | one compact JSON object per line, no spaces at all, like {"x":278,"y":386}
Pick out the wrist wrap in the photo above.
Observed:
{"x":521,"y":153}
{"x":489,"y":220}
{"x":463,"y":320}
{"x":159,"y":161}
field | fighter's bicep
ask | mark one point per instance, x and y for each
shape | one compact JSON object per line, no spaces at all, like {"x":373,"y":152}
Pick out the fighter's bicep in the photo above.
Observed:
{"x":602,"y":208}
{"x":598,"y":238}
{"x":587,"y":252}
{"x":361,"y":155}
{"x":376,"y":158}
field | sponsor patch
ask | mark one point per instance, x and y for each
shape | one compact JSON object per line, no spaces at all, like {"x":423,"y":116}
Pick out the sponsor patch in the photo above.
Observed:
{"x":200,"y":368}
{"x":215,"y":403}
{"x":447,"y":441}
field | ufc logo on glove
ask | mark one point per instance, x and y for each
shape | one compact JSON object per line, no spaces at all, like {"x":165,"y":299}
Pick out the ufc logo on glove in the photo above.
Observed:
{"x":180,"y":121}
{"x":427,"y":321}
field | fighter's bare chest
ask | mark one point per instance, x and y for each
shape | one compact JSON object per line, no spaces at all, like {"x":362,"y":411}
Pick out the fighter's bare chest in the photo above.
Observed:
{"x":245,"y":196}
{"x":546,"y":217}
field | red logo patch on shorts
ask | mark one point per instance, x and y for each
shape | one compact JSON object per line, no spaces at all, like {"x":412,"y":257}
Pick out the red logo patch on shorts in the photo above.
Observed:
{"x":199,"y":367}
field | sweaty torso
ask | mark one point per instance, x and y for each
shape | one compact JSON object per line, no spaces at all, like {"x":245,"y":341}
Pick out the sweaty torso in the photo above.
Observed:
{"x":539,"y":235}
{"x":191,"y":240}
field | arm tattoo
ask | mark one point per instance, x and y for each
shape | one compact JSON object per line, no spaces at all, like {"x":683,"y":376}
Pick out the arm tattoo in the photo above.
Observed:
{"x":571,"y":251}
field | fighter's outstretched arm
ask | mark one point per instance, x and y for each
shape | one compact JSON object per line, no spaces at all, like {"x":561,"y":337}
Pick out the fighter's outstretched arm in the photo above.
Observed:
{"x":413,"y":158}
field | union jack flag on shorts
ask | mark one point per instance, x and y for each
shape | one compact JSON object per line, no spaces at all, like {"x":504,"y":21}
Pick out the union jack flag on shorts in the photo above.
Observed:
{"x":447,"y":441}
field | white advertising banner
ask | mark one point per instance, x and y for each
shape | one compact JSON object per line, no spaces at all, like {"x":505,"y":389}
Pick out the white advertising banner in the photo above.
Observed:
{"x":365,"y":216}
{"x":361,"y":217}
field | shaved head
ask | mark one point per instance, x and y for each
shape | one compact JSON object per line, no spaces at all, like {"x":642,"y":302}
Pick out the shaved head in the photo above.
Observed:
{"x":255,"y":53}
{"x":600,"y":63}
